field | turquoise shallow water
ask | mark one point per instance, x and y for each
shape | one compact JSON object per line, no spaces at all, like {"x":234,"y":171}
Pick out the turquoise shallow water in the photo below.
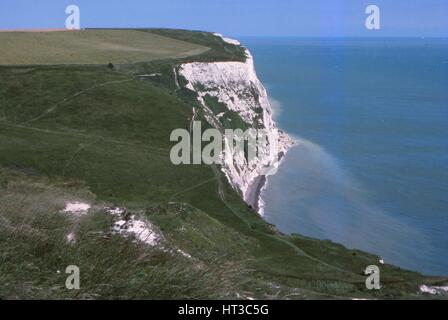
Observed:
{"x":370,"y":169}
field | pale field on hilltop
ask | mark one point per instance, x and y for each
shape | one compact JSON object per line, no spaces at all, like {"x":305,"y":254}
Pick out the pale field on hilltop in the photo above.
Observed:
{"x":90,"y":47}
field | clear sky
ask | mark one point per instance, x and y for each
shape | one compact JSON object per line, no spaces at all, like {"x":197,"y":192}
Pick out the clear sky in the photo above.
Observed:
{"x":239,"y":17}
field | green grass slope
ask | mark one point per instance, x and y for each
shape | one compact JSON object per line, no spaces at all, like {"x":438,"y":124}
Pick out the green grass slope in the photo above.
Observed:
{"x":101,"y":136}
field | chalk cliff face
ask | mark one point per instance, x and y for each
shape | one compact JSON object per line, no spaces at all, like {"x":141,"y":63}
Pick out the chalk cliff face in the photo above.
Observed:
{"x":236,"y":85}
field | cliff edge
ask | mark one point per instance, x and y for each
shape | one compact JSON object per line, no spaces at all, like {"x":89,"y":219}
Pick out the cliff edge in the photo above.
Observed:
{"x":235,"y":85}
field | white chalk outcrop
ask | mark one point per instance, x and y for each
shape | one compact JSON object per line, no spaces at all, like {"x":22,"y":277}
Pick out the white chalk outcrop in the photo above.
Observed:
{"x":127,"y":225}
{"x":142,"y":230}
{"x":76,"y":208}
{"x":236,"y":85}
{"x":434,"y":289}
{"x":228,"y":40}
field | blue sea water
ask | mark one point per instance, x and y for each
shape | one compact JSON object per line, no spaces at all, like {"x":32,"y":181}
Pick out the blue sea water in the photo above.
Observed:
{"x":370,"y":168}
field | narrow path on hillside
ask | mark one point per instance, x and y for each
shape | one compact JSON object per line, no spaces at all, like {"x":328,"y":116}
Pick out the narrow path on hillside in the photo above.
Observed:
{"x":80,"y":148}
{"x":217,"y":174}
{"x":160,"y":151}
{"x":193,"y":119}
{"x":192,"y":188}
{"x":176,"y":80}
{"x":76,"y":94}
{"x":296,"y":249}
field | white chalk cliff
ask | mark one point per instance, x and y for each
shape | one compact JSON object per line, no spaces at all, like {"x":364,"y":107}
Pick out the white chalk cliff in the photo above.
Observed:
{"x":236,"y":85}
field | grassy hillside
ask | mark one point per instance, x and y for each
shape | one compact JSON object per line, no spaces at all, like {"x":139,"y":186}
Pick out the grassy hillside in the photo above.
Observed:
{"x":101,"y":136}
{"x":90,"y":47}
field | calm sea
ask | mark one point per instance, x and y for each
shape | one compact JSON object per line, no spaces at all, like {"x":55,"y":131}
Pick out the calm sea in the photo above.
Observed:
{"x":370,"y":169}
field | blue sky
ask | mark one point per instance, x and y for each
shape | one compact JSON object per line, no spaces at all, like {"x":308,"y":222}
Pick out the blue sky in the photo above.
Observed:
{"x":239,"y":17}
